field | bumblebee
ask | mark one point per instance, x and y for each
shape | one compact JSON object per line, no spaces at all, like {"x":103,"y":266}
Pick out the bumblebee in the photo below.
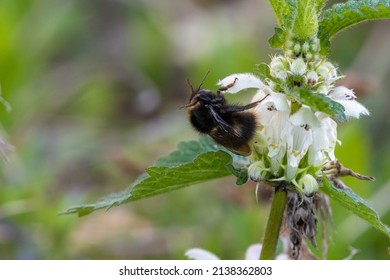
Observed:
{"x":231,"y":126}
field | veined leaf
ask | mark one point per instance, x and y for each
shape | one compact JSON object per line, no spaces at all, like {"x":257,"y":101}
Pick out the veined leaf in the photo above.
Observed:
{"x":278,"y":40}
{"x":187,"y":151}
{"x":319,"y":102}
{"x":306,"y":19}
{"x":354,"y":203}
{"x":320,"y":5}
{"x":194,"y":162}
{"x":343,"y":15}
{"x":281,"y":10}
{"x":263,"y":71}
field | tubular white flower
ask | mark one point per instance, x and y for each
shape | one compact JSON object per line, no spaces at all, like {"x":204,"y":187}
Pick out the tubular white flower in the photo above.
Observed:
{"x":200,"y":254}
{"x":273,"y":114}
{"x":324,"y":141}
{"x":242,"y":81}
{"x":304,"y":116}
{"x":347,"y":98}
{"x":299,"y":139}
{"x":253,"y":251}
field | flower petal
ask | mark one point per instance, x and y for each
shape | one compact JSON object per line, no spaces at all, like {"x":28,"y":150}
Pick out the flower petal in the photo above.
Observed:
{"x":274,"y":102}
{"x":241,"y":81}
{"x":253,"y":251}
{"x":347,"y":98}
{"x":353,"y":109}
{"x":298,"y":141}
{"x":200,"y":254}
{"x":342,"y":93}
{"x":304,"y":116}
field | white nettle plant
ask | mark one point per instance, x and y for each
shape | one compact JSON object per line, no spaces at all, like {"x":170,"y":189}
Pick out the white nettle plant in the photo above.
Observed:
{"x":293,"y":148}
{"x":294,"y":142}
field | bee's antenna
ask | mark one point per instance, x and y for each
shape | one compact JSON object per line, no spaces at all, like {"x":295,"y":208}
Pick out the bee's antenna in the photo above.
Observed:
{"x":189,"y":83}
{"x":204,"y":78}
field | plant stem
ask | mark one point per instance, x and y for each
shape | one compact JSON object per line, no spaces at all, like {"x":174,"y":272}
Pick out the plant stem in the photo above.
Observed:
{"x":274,"y":223}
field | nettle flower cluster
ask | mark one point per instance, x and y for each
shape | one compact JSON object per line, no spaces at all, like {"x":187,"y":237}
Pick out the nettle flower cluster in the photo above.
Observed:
{"x":294,"y":141}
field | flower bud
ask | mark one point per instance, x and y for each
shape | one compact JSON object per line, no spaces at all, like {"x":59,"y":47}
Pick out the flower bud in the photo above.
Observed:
{"x":309,"y":184}
{"x":324,"y":89}
{"x":278,"y":67}
{"x":297,"y":48}
{"x":305,"y":47}
{"x":327,"y":72}
{"x":257,"y":171}
{"x":312,"y":78}
{"x":298,"y":67}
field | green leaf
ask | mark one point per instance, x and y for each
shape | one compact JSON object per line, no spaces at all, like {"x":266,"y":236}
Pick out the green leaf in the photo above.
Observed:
{"x":278,"y":40}
{"x":320,"y":5}
{"x":306,"y":19}
{"x":187,"y":151}
{"x":194,"y":162}
{"x":281,"y":10}
{"x":240,"y":173}
{"x":319,"y":102}
{"x":354,"y":203}
{"x":263,"y":71}
{"x":343,"y":15}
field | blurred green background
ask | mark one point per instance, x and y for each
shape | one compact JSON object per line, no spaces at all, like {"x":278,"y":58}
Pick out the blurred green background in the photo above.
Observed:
{"x":95,"y":88}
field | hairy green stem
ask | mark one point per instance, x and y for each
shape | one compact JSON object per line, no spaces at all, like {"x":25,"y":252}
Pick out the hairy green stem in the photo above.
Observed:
{"x":274,"y":223}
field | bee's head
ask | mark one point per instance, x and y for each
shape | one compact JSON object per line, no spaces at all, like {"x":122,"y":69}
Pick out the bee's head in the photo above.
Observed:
{"x":197,"y":94}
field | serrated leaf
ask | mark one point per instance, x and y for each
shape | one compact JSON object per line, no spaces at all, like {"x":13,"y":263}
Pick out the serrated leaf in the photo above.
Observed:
{"x":354,"y":203}
{"x":281,"y":10}
{"x":278,"y":40}
{"x":194,"y":162}
{"x":321,"y":4}
{"x":187,"y":151}
{"x":343,"y":15}
{"x":319,"y":102}
{"x":306,"y":18}
{"x":240,"y":173}
{"x":263,"y":71}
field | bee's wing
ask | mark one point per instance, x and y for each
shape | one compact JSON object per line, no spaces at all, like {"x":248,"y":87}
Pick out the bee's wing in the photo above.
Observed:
{"x":225,"y":141}
{"x":222,"y":124}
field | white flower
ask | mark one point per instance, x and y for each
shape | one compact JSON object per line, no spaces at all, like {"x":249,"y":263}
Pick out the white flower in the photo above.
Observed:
{"x":273,"y":114}
{"x":347,"y":98}
{"x":298,"y":141}
{"x":324,"y":141}
{"x":252,"y":253}
{"x":200,"y":254}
